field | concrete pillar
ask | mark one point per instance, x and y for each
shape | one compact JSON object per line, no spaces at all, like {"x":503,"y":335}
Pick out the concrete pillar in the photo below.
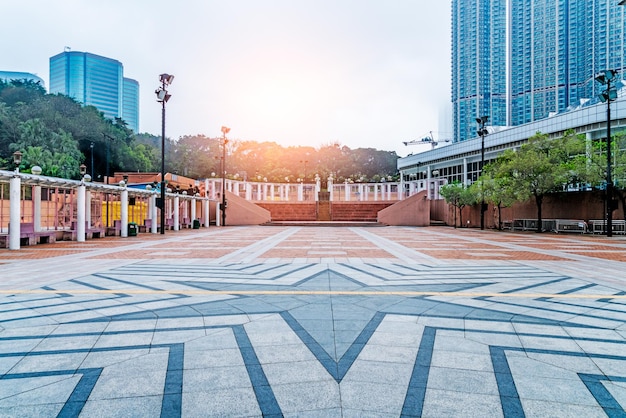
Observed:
{"x":176,"y":213}
{"x":88,"y":208}
{"x":300,"y":192}
{"x":346,"y":191}
{"x":37,"y":208}
{"x":154,"y":227}
{"x":330,"y":188}
{"x":192,"y":202}
{"x":465,"y":176}
{"x":80,"y":213}
{"x":15,"y":215}
{"x":205,"y":211}
{"x":272,"y":192}
{"x":124,"y":212}
{"x":248,"y":191}
{"x":218,"y":214}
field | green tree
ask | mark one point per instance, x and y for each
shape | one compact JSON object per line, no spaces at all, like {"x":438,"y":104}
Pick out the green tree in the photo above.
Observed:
{"x":542,"y":166}
{"x":459,"y":196}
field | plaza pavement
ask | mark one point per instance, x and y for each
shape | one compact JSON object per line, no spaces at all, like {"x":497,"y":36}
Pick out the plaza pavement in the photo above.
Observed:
{"x":315,"y":322}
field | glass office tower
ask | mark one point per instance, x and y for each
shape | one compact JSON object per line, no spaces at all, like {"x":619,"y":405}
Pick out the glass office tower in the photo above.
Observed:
{"x":94,"y":80}
{"x":130,"y":103}
{"x":547,"y":52}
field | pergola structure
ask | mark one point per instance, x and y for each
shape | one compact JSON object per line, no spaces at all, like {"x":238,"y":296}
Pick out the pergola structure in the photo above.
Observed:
{"x":56,"y":204}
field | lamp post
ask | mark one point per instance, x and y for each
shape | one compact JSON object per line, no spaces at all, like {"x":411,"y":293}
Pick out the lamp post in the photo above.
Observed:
{"x":225,"y":130}
{"x":162,"y":97}
{"x":482,"y":131}
{"x":91,"y":148}
{"x":605,"y":78}
{"x":17,"y":160}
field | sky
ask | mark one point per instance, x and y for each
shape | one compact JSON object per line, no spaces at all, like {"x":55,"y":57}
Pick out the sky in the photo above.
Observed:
{"x":364,"y":73}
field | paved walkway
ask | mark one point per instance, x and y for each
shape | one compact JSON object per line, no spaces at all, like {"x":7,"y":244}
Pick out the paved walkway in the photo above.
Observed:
{"x":315,"y":322}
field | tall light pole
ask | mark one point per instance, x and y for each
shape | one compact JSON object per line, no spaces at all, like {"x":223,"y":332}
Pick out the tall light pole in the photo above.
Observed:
{"x":91,"y":147}
{"x":225,"y":130}
{"x":482,"y":131}
{"x":162,"y":97}
{"x":605,"y":78}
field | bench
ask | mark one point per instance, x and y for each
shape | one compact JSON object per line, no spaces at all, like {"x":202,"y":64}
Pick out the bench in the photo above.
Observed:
{"x":30,"y":236}
{"x":114,"y":230}
{"x":570,"y":225}
{"x":186,"y":223}
{"x":598,"y":226}
{"x":93,"y":232}
{"x":147,"y":225}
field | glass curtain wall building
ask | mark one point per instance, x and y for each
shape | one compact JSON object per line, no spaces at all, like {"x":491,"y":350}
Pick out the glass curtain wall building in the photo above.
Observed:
{"x":130,"y":103}
{"x":97,"y":81}
{"x":546,"y":52}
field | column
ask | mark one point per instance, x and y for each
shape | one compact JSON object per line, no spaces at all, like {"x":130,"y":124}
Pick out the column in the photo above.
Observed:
{"x":37,"y":208}
{"x":330,"y":188}
{"x":80,"y":213}
{"x":15,"y":215}
{"x":346,"y":191}
{"x":88,"y":208}
{"x":205,"y":211}
{"x":300,"y":192}
{"x":124,"y":212}
{"x":154,"y":228}
{"x":176,"y":213}
{"x":192,"y":202}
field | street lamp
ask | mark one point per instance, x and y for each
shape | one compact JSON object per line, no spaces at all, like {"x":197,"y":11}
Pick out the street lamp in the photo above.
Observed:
{"x":17,"y":160}
{"x":162,"y":97}
{"x":225,"y":130}
{"x":605,"y":78}
{"x":91,"y":147}
{"x":482,"y":131}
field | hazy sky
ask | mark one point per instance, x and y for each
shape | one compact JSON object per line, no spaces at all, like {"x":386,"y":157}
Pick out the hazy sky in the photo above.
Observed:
{"x":365,"y":73}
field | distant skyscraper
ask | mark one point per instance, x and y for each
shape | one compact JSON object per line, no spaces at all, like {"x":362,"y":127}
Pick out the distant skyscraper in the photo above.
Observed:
{"x":97,"y":81}
{"x":556,"y":47}
{"x":130,"y":103}
{"x":7,"y":76}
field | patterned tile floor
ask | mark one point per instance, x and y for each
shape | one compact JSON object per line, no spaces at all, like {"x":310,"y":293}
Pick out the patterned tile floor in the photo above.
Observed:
{"x":315,"y":322}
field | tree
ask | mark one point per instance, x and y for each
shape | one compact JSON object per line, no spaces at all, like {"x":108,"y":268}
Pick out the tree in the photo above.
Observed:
{"x":459,"y":196}
{"x":542,"y":166}
{"x":498,"y":191}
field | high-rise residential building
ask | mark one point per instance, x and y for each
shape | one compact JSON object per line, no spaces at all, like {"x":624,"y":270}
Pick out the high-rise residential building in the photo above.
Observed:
{"x":519,"y":61}
{"x":478,"y":64}
{"x":97,"y":81}
{"x":7,"y":76}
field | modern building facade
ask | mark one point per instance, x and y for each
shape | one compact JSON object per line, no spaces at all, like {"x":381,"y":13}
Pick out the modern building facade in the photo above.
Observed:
{"x":479,"y":59}
{"x":130,"y":103}
{"x":96,"y":81}
{"x":519,"y":61}
{"x":7,"y":76}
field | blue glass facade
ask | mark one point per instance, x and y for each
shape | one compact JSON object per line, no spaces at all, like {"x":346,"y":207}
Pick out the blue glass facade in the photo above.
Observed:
{"x":555,"y":48}
{"x":130,"y":103}
{"x":7,"y":76}
{"x":93,"y":80}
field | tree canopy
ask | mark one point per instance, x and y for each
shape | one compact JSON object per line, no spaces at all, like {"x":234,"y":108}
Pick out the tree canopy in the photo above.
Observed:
{"x":58,"y":134}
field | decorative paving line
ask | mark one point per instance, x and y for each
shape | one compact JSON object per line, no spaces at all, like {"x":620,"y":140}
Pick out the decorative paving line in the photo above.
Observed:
{"x":172,"y":398}
{"x":416,"y":392}
{"x":234,"y":292}
{"x":79,"y":395}
{"x":262,"y":389}
{"x":509,"y":397}
{"x":611,"y":407}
